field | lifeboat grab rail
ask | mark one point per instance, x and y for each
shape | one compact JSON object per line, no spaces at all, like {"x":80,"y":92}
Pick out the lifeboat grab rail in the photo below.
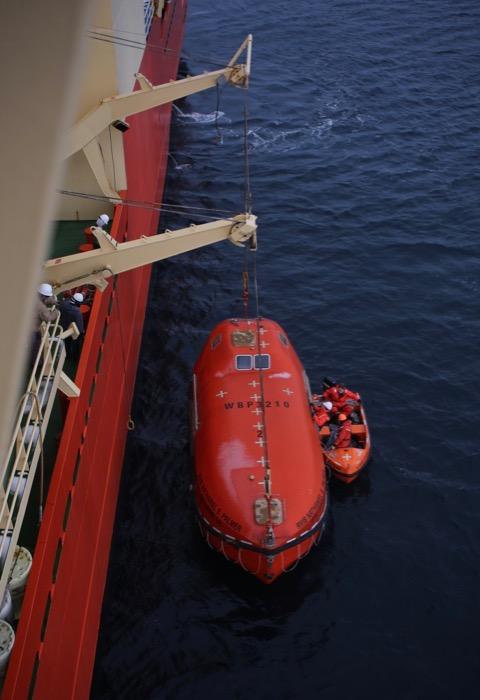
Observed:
{"x":25,"y":449}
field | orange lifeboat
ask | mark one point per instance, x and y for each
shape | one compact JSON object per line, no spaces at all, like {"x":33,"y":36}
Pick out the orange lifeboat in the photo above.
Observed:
{"x":260,"y":478}
{"x":346,"y":463}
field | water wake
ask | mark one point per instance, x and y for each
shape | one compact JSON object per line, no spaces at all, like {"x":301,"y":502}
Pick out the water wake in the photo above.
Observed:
{"x":198,"y":117}
{"x":267,"y":139}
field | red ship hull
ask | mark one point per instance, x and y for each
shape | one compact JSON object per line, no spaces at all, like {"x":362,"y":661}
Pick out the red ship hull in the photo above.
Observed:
{"x":260,"y":484}
{"x":56,"y":638}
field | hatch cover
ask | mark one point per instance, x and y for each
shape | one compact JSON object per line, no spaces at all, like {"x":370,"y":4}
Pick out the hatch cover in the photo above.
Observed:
{"x":243,"y":339}
{"x":261,"y":511}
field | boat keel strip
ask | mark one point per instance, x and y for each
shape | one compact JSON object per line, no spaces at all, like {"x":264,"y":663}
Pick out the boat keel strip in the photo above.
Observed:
{"x":266,"y":551}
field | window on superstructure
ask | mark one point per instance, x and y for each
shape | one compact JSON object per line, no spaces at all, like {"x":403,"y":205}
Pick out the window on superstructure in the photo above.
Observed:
{"x":243,"y":362}
{"x":262,"y":361}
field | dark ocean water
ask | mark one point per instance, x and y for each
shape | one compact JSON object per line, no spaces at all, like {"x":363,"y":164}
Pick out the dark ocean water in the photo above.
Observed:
{"x":364,"y":155}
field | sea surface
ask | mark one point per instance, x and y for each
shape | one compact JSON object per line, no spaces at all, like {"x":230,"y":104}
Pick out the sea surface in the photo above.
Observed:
{"x":363,"y":147}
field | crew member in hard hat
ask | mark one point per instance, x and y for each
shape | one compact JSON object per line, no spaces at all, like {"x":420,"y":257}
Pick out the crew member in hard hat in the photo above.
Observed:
{"x":46,"y":301}
{"x":101,"y":222}
{"x":45,"y":312}
{"x":70,"y":313}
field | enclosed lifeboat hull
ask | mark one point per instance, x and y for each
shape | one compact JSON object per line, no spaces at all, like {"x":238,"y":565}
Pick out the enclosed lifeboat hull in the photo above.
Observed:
{"x":346,"y":463}
{"x":260,"y":479}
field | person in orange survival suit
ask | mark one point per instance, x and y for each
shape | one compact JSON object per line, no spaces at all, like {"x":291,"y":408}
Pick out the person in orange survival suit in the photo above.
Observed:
{"x":344,"y":400}
{"x":321,"y":410}
{"x":340,"y":432}
{"x":344,"y":434}
{"x":348,"y":401}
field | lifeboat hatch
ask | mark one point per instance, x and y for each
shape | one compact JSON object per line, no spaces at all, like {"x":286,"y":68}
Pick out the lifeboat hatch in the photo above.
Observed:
{"x":243,"y":339}
{"x":276,"y":511}
{"x":262,"y":514}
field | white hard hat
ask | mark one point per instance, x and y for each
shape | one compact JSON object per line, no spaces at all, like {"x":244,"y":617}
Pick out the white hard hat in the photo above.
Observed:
{"x":78,"y":296}
{"x":45,"y":289}
{"x":328,"y":405}
{"x":103,"y":220}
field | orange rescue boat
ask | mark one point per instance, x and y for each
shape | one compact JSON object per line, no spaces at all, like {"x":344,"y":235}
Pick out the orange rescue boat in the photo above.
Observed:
{"x":346,"y":463}
{"x":260,"y":478}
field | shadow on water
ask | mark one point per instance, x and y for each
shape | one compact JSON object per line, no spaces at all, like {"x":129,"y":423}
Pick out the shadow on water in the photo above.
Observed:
{"x":286,"y":594}
{"x":358,"y":490}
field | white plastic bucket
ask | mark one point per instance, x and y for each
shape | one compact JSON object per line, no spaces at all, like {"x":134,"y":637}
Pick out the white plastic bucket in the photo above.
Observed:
{"x":21,"y":565}
{"x":6,"y":608}
{"x":7,"y":640}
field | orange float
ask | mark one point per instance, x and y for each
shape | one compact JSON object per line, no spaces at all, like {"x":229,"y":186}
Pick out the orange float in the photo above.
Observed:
{"x":260,"y":478}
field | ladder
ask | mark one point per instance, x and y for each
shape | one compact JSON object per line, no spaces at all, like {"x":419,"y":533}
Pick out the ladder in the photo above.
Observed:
{"x":25,"y":449}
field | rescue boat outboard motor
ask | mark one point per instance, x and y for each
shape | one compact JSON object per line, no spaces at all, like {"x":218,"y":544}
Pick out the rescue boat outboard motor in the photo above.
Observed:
{"x":328,"y":382}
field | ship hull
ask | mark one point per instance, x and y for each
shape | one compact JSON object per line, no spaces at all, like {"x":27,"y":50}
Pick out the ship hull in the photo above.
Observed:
{"x":57,"y":634}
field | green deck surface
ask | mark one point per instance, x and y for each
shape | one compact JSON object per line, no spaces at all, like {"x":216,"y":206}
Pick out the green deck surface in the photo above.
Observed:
{"x":67,"y":236}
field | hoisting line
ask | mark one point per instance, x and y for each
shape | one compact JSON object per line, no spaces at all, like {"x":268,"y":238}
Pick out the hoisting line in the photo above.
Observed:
{"x":245,"y":293}
{"x":248,"y":198}
{"x":128,"y":388}
{"x":269,"y":540}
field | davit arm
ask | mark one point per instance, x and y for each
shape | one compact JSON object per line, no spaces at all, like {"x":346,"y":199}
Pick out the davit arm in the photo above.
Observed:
{"x":96,"y":266}
{"x":117,"y":108}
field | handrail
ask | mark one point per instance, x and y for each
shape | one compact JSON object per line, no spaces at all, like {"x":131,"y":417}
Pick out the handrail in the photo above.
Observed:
{"x":147,"y":15}
{"x":18,"y":471}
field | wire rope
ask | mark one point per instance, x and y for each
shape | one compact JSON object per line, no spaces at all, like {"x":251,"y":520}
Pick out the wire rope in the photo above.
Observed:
{"x":140,"y":45}
{"x":128,"y":388}
{"x":164,"y":207}
{"x":248,"y":191}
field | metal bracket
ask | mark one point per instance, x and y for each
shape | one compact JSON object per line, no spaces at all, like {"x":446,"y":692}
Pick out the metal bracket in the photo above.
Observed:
{"x":242,"y":231}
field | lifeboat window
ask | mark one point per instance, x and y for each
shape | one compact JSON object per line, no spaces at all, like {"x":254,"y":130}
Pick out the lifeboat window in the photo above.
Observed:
{"x":216,"y":341}
{"x":283,"y":339}
{"x":243,"y":361}
{"x":262,"y":361}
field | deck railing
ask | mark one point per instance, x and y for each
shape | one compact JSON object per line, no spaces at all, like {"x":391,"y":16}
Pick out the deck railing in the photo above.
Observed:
{"x":25,"y":450}
{"x":148,"y":10}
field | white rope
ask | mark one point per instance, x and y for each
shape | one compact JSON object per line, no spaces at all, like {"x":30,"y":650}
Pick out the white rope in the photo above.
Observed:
{"x":294,"y":565}
{"x":222,"y":548}
{"x":206,"y":534}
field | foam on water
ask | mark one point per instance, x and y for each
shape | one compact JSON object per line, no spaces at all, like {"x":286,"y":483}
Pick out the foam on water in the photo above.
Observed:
{"x":198,"y":117}
{"x":269,"y":140}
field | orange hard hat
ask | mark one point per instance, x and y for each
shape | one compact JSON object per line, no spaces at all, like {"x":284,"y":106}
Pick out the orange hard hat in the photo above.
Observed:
{"x":342,"y":416}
